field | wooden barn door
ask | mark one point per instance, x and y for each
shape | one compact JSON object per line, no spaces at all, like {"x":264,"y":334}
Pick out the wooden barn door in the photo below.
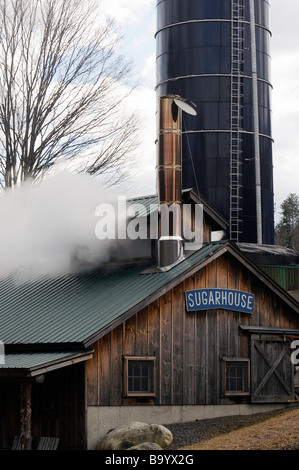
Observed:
{"x":272,"y":372}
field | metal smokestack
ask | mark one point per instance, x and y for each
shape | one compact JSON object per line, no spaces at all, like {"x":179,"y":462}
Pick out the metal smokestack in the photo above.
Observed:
{"x":169,"y":176}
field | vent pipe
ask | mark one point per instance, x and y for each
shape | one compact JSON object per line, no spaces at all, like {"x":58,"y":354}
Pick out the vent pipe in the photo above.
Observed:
{"x":256,"y":125}
{"x":169,"y":176}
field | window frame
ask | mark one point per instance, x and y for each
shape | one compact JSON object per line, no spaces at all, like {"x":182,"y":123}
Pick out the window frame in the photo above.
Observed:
{"x":127,"y":392}
{"x":231,"y":393}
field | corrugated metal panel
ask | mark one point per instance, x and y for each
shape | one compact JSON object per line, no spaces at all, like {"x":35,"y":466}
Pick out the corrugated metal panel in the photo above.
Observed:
{"x":72,"y":308}
{"x":149,"y":204}
{"x":286,"y":276}
{"x":37,"y":359}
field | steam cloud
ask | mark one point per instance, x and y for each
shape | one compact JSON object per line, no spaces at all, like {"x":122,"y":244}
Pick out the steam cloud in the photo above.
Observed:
{"x":49,"y":228}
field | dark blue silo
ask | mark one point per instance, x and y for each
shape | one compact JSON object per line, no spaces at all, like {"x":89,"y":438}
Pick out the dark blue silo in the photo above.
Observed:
{"x":216,"y":53}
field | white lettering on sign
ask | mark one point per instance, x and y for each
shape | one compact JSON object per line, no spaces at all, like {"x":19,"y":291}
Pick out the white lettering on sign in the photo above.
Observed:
{"x":203,"y":299}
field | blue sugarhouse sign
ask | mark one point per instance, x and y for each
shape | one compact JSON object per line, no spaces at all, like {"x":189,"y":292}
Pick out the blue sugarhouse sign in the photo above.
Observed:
{"x":228,"y":299}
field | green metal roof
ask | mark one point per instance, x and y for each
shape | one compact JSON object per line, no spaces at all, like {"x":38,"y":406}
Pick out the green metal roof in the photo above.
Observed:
{"x":72,"y":309}
{"x":78,"y":309}
{"x":149,"y":204}
{"x":35,"y":363}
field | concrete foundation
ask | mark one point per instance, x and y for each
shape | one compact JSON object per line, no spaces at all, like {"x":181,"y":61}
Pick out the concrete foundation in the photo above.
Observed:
{"x":100,"y":420}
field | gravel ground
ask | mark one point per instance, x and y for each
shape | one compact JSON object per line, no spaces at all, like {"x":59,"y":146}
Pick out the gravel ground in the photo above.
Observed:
{"x":186,"y":434}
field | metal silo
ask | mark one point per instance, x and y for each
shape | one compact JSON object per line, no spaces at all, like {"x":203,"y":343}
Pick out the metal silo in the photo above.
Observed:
{"x":216,"y":53}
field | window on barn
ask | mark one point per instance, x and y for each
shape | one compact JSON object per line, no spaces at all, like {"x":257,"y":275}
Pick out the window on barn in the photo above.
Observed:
{"x":235,"y":379}
{"x":139,"y":375}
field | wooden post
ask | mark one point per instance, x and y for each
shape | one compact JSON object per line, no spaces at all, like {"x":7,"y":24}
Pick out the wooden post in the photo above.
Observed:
{"x":25,"y":411}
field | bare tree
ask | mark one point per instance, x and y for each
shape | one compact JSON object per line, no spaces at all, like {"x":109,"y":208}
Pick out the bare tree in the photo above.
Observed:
{"x":62,"y":90}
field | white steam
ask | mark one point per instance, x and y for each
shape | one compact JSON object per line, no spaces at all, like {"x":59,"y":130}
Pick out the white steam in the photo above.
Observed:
{"x":49,"y":228}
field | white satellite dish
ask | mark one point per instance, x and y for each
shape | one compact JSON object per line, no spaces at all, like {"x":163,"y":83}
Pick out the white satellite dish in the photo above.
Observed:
{"x":185,"y":105}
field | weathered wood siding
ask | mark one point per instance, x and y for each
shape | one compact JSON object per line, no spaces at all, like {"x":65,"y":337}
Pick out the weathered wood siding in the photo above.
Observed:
{"x":188,"y":346}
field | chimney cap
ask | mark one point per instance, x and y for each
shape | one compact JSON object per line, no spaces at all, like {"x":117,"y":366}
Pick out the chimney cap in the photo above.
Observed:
{"x":186,"y":105}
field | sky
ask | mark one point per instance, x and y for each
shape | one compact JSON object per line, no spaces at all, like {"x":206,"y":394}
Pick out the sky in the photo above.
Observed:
{"x":137,"y":21}
{"x":54,"y":239}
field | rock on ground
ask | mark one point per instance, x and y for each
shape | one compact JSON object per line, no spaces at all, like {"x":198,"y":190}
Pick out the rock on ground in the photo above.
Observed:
{"x":146,"y":446}
{"x":128,"y":435}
